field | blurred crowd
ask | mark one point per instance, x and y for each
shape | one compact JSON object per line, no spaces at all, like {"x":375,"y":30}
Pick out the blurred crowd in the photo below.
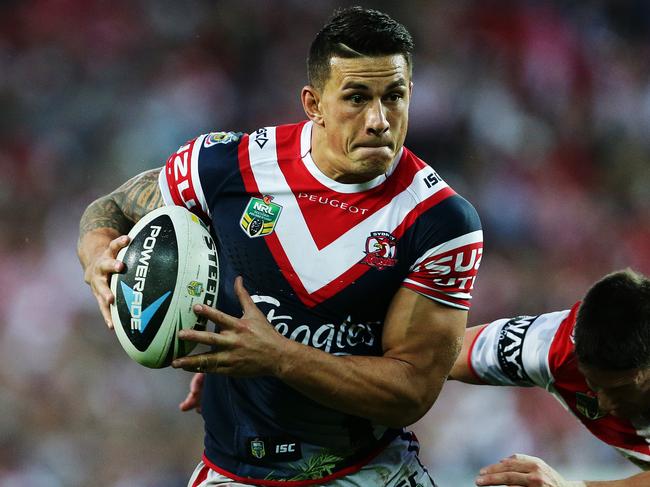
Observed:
{"x":538,"y":112}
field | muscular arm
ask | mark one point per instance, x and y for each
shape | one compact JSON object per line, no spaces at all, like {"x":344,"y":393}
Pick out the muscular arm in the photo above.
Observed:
{"x":103,"y":222}
{"x":116,"y":212}
{"x":421,"y":339}
{"x":461,"y":370}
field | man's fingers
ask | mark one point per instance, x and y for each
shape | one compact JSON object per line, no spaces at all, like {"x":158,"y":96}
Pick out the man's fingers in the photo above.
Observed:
{"x":111,"y":265}
{"x":245,"y":299}
{"x":196,"y":384}
{"x":205,"y":337}
{"x":510,"y":464}
{"x":216,"y":316}
{"x":117,"y":244}
{"x":505,"y":478}
{"x":190,"y":402}
{"x":106,"y":312}
{"x":202,"y":362}
{"x":516,"y":470}
{"x":193,"y":399}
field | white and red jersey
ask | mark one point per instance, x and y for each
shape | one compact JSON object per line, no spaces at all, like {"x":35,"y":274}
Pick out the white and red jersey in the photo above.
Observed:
{"x":322,"y":260}
{"x":539,"y":351}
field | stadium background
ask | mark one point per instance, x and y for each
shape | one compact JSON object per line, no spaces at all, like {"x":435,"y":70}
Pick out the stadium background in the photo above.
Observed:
{"x":537,"y":112}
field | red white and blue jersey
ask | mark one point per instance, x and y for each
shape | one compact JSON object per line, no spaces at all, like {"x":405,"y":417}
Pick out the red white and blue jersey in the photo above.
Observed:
{"x":539,"y":351}
{"x":322,"y":260}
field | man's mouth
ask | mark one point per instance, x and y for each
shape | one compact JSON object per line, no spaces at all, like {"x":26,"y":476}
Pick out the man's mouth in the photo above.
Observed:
{"x":374,"y":145}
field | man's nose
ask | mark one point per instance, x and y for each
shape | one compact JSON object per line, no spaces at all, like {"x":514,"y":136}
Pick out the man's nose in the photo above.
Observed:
{"x":376,"y":120}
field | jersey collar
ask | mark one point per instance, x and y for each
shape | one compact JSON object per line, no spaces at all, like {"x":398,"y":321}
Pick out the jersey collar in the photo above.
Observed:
{"x":305,"y":152}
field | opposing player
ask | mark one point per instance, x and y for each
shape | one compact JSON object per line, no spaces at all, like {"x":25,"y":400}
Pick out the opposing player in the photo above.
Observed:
{"x":594,"y":358}
{"x":357,"y":261}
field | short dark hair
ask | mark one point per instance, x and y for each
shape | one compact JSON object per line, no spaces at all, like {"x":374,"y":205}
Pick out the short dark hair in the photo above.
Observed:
{"x":356,"y":32}
{"x":612,"y":329}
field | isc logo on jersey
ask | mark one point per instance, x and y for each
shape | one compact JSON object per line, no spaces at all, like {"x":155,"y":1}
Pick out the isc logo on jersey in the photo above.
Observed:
{"x":171,"y":264}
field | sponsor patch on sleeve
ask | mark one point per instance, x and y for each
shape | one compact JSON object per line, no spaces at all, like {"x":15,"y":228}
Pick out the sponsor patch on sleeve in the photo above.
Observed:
{"x":183,"y":183}
{"x":446,"y":273}
{"x":510,"y":346}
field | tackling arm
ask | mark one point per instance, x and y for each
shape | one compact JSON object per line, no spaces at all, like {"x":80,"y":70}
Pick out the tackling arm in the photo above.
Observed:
{"x":461,"y":370}
{"x":103,"y":226}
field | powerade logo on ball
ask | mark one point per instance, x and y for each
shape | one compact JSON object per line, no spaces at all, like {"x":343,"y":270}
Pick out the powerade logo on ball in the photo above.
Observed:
{"x":150,"y":278}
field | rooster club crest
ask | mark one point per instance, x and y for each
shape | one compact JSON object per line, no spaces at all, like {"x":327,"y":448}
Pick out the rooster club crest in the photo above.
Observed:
{"x":260,"y":216}
{"x":380,"y":250}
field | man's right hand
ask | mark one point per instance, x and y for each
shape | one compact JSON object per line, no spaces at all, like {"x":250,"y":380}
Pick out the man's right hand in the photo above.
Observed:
{"x":97,"y":274}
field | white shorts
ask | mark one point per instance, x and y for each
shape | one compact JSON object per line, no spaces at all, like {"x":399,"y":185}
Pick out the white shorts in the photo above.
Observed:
{"x":397,"y":465}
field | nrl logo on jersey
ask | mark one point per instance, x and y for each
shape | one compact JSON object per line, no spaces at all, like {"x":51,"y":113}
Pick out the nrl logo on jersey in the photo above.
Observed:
{"x":220,"y":138}
{"x":380,"y":250}
{"x":260,"y":216}
{"x":588,"y":406}
{"x":257,"y":448}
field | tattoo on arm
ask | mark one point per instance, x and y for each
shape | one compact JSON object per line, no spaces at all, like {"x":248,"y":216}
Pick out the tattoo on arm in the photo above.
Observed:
{"x":124,"y":206}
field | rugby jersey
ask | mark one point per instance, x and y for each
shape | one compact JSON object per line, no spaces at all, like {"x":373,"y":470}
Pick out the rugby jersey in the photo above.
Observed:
{"x":322,"y":260}
{"x":539,"y":351}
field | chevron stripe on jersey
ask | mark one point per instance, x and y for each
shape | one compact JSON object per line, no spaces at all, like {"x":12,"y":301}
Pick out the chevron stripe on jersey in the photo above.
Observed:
{"x":323,"y":255}
{"x":321,"y":241}
{"x":324,"y":272}
{"x":539,"y":351}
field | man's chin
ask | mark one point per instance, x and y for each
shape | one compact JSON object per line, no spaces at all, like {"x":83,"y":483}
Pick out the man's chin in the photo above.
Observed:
{"x":378,"y":158}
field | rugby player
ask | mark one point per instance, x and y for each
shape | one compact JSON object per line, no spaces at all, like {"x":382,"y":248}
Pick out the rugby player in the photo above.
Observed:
{"x":357,"y":261}
{"x":594,"y":358}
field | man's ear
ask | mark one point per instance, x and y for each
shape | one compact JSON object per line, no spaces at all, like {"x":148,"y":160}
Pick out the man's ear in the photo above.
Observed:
{"x":310,"y":98}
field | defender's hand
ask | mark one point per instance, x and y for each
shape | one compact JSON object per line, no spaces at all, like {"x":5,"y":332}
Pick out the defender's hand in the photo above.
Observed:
{"x":523,"y":470}
{"x":246,"y":346}
{"x":193,"y":399}
{"x":98,"y":273}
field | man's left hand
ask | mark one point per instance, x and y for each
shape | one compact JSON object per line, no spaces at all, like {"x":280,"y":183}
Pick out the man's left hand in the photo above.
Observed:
{"x":523,"y":470}
{"x":244,"y":347}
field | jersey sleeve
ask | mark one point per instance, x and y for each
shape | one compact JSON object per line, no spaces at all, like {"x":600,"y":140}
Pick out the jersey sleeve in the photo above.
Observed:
{"x":515,"y":351}
{"x":193,"y":175}
{"x":450,"y":255}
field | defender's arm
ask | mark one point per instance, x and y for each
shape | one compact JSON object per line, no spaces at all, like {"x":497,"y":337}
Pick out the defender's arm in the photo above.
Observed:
{"x":461,"y":370}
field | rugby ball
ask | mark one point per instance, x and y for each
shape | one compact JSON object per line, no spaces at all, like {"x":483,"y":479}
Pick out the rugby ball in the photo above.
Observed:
{"x":171,"y":265}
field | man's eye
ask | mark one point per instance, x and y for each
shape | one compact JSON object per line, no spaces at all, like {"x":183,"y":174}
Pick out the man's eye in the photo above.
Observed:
{"x":356,"y":98}
{"x":393,"y":97}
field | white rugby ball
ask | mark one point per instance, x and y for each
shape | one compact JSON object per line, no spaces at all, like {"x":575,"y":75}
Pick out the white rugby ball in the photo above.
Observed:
{"x":171,"y":265}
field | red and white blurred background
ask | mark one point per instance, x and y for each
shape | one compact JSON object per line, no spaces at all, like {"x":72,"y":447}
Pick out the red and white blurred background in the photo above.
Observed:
{"x":537,"y":111}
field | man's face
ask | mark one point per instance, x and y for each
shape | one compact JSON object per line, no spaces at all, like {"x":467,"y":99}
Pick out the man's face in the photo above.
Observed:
{"x":625,"y":394}
{"x":364,"y":107}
